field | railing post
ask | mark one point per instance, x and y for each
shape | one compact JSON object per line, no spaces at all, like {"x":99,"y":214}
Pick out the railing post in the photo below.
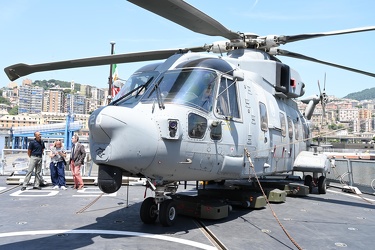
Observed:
{"x":2,"y":163}
{"x":350,"y":171}
{"x":44,"y":162}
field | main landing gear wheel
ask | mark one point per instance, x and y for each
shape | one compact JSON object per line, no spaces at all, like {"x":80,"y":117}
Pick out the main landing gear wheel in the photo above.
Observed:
{"x":309,"y":182}
{"x":167,"y":213}
{"x":149,"y":211}
{"x":322,"y":185}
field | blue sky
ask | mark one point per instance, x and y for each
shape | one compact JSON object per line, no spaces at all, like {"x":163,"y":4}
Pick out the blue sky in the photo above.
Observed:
{"x":39,"y":31}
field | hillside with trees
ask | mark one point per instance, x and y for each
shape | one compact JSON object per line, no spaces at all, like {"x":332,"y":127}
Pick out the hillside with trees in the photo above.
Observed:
{"x":366,"y":94}
{"x":47,"y":84}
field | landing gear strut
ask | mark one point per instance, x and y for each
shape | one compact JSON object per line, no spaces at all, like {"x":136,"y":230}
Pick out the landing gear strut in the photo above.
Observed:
{"x":161,"y":206}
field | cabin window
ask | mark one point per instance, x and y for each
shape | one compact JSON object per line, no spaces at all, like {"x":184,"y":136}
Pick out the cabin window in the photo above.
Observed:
{"x":197,"y":126}
{"x":290,"y":128}
{"x":296,"y":126}
{"x":263,"y":116}
{"x":227,"y":100}
{"x":282,"y":124}
{"x":305,"y":130}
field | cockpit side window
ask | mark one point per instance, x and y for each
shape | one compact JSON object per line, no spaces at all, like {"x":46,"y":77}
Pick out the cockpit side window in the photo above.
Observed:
{"x":227,"y":99}
{"x":263,"y":116}
{"x":134,"y":87}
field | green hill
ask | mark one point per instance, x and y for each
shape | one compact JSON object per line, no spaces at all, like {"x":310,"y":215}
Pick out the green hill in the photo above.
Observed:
{"x":366,"y":94}
{"x":47,"y":84}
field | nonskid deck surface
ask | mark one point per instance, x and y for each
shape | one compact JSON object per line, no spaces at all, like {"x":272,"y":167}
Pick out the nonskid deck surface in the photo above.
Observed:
{"x":87,"y":219}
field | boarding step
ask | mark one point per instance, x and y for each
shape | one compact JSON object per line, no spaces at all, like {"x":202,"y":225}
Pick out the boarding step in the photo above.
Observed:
{"x":201,"y":207}
{"x":236,"y":197}
{"x":275,"y":195}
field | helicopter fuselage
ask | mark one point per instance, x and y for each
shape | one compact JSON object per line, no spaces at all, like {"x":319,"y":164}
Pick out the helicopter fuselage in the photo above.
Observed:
{"x":161,"y":127}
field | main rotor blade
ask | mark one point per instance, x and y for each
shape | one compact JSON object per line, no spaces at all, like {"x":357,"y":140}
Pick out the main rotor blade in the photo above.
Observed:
{"x":303,"y":57}
{"x":294,"y":38}
{"x":18,"y":70}
{"x":187,"y":16}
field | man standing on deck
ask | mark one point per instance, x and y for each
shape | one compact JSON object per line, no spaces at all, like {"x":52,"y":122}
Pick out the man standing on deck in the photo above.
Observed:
{"x":35,"y":152}
{"x":77,"y":159}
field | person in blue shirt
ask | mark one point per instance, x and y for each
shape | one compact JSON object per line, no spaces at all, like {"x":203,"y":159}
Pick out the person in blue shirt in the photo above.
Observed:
{"x":35,"y":152}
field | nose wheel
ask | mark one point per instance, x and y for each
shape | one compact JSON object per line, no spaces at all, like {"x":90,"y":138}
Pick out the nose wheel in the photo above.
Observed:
{"x":149,"y":211}
{"x":167,"y":213}
{"x":161,"y":206}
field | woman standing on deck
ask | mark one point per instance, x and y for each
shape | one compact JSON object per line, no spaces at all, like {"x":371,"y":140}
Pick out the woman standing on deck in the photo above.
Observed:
{"x":57,"y":166}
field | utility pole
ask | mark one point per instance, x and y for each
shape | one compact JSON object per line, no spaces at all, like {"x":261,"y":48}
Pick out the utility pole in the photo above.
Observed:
{"x":110,"y":80}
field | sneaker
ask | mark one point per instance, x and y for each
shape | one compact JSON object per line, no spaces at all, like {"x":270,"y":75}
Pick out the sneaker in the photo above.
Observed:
{"x":23,"y":188}
{"x":63,"y":188}
{"x":55,"y":187}
{"x":39,"y":188}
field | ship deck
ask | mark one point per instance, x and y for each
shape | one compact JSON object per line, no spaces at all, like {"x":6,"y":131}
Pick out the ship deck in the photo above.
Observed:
{"x":87,"y":219}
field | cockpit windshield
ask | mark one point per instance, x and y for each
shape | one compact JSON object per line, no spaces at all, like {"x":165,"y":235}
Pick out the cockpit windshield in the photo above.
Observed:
{"x":192,"y":87}
{"x":134,"y":88}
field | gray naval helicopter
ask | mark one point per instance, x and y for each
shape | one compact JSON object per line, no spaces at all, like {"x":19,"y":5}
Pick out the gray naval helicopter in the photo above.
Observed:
{"x":203,"y":116}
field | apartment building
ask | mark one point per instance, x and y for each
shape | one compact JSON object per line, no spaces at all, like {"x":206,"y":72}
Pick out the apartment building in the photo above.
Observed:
{"x":85,"y":90}
{"x":75,"y":104}
{"x":30,"y":99}
{"x":54,"y":101}
{"x":21,"y":120}
{"x":365,"y":120}
{"x":43,"y":118}
{"x":97,"y":99}
{"x":348,"y":114}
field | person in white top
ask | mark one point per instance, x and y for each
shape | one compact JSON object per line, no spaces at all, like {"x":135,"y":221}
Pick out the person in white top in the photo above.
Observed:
{"x":57,"y":166}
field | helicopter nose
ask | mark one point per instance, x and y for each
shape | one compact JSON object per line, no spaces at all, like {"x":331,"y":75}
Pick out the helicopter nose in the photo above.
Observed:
{"x":122,"y":137}
{"x":104,"y":124}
